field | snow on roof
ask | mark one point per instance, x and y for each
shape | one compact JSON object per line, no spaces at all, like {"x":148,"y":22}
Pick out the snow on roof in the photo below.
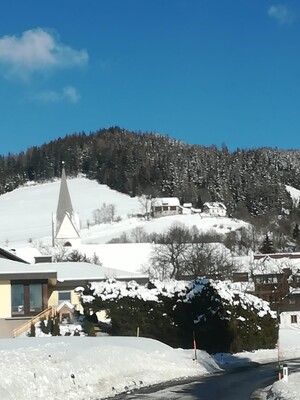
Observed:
{"x":121,"y":256}
{"x":214,"y":204}
{"x":70,"y":271}
{"x":295,"y":292}
{"x":8,"y":266}
{"x":166,"y":201}
{"x":269,"y":265}
{"x":65,"y":303}
{"x":66,"y":271}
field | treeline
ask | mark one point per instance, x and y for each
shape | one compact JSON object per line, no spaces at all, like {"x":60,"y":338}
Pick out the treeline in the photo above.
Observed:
{"x":250,"y":182}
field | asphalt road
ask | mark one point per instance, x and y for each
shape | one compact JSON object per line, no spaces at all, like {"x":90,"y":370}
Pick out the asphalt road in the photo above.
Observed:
{"x":237,"y":384}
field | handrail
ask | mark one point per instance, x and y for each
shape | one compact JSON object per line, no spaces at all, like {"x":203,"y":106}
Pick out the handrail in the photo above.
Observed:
{"x":48,"y":312}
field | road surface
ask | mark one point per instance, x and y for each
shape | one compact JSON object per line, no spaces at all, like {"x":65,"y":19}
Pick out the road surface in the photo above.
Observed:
{"x":242,"y":383}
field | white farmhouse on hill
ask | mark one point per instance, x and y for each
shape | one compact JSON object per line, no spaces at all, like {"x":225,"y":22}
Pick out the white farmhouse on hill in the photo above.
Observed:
{"x":164,"y":206}
{"x":214,"y":209}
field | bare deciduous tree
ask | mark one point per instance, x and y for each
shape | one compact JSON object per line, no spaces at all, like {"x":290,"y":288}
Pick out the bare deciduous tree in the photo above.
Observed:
{"x":139,"y":235}
{"x":146,"y":202}
{"x":180,"y":253}
{"x":105,"y":214}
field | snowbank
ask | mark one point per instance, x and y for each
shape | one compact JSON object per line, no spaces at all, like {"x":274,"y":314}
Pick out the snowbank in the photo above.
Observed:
{"x":94,"y":368}
{"x":90,"y":368}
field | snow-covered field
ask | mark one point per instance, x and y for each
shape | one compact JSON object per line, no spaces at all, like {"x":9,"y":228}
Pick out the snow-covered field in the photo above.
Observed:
{"x":26,"y":214}
{"x":26,"y":223}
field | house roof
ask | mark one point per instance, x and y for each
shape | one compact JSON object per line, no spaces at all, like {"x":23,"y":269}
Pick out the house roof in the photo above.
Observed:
{"x":19,"y":270}
{"x":9,"y":255}
{"x":61,"y":271}
{"x":270,"y":265}
{"x":69,"y":271}
{"x":166,"y":201}
{"x":64,"y":206}
{"x":214,"y":205}
{"x":67,"y":304}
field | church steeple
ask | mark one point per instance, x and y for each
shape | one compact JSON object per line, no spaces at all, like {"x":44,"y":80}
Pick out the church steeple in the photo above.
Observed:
{"x":66,"y":222}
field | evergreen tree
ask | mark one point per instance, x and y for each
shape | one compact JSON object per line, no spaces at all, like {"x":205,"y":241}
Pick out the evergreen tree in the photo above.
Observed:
{"x":267,"y":246}
{"x":55,"y":327}
{"x":296,"y":231}
{"x":32,"y":331}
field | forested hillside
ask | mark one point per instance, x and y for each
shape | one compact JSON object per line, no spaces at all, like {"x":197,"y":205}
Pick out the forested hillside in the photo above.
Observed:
{"x":250,"y":182}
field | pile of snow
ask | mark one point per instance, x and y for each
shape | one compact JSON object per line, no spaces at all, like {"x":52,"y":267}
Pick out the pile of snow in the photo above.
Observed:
{"x":282,"y":390}
{"x":90,"y":368}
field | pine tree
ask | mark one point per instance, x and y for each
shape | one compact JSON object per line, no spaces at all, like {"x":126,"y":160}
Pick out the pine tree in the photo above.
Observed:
{"x":296,"y":231}
{"x":32,"y":331}
{"x":267,"y":246}
{"x":55,"y":329}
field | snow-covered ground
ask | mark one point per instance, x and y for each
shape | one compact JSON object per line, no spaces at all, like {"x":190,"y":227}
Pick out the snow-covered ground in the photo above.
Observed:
{"x":90,"y":368}
{"x":26,"y":223}
{"x":93,"y":368}
{"x":26,"y":214}
{"x":98,"y":367}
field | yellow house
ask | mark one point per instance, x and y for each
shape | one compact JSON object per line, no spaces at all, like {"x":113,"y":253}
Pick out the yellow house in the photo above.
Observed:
{"x":29,"y":290}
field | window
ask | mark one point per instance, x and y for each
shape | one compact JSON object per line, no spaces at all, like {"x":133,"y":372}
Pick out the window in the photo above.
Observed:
{"x":27,"y":298}
{"x":17,"y":299}
{"x":64,"y":296}
{"x":165,"y":208}
{"x":293,"y":319}
{"x":172,"y":208}
{"x":35,"y":298}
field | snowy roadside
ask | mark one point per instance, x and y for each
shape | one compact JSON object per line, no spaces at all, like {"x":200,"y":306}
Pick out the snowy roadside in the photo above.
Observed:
{"x":282,"y":390}
{"x":90,"y":368}
{"x":289,"y":348}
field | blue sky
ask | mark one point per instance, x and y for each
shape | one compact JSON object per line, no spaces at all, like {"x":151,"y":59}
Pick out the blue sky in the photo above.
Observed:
{"x":202,"y":71}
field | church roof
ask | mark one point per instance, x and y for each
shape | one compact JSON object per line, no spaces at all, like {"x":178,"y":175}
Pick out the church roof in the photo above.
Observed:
{"x":64,"y":206}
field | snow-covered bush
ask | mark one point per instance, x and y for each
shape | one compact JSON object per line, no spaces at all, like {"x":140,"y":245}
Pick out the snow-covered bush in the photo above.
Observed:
{"x":221,"y":318}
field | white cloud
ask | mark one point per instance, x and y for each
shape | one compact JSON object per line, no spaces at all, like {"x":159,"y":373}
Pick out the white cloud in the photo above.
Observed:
{"x":69,"y":93}
{"x":281,"y":13}
{"x":38,"y":50}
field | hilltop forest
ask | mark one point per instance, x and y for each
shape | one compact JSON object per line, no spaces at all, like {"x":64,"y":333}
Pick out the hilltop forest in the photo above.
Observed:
{"x":251,"y":182}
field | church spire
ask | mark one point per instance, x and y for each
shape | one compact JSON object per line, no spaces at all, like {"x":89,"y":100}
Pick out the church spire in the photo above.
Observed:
{"x":66,"y":221}
{"x":64,"y":200}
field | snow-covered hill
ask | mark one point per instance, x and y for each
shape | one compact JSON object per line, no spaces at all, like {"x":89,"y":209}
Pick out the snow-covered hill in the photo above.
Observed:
{"x":26,"y":214}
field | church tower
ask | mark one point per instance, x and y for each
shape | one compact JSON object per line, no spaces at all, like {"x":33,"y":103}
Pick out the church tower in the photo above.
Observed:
{"x":66,"y":229}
